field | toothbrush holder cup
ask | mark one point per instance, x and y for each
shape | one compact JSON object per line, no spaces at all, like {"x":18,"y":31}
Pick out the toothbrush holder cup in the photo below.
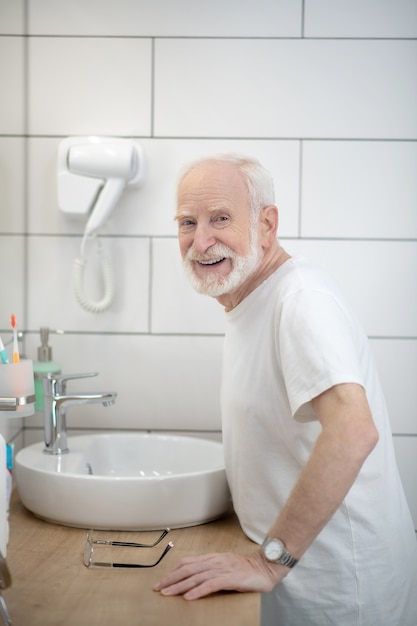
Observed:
{"x":17,"y":389}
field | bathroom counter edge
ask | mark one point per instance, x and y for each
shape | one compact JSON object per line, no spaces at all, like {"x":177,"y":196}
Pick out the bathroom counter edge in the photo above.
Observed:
{"x":50,"y":584}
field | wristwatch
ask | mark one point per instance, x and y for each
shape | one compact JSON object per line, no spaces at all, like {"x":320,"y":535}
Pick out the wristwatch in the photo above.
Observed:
{"x":274,"y":551}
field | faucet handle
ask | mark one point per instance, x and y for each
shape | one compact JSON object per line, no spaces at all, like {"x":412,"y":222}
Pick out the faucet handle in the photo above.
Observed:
{"x":60,"y":380}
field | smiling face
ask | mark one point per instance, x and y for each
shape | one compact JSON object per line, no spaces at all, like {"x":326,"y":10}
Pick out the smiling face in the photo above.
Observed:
{"x":218,"y":241}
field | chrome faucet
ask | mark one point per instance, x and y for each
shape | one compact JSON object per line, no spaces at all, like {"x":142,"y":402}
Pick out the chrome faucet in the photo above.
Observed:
{"x":57,"y":401}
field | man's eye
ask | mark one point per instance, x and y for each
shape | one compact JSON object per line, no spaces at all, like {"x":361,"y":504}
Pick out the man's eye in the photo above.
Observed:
{"x":222,"y":218}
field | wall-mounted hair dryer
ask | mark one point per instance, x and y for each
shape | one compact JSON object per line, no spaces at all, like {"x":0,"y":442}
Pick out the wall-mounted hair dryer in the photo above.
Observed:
{"x":92,"y":174}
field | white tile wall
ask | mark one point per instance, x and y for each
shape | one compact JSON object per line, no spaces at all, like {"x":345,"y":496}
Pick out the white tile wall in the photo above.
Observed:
{"x":12,"y":282}
{"x":286,"y":88}
{"x":84,"y":86}
{"x":12,"y":184}
{"x":163,"y":382}
{"x":378,"y":277}
{"x":397,"y":366}
{"x":359,"y":189}
{"x":12,"y":85}
{"x":356,"y":18}
{"x":50,"y":286}
{"x":405,"y":448}
{"x":212,"y":18}
{"x":12,"y":17}
{"x":324,"y":94}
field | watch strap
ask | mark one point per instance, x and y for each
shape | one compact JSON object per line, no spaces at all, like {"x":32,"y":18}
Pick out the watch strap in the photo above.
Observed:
{"x":286,"y":558}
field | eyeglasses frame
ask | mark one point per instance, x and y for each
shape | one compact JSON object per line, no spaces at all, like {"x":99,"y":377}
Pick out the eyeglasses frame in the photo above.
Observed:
{"x":90,"y":542}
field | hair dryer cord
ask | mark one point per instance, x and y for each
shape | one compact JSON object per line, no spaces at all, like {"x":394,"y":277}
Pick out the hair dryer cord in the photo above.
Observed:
{"x":107,"y":274}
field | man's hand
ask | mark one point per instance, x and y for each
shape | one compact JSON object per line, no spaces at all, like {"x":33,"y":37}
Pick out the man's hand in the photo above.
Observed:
{"x":195,"y":577}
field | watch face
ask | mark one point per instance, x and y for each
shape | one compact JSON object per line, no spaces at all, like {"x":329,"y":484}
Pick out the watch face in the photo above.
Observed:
{"x":274,"y":549}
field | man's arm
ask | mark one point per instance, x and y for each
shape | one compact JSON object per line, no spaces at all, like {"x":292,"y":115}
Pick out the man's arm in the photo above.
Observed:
{"x":347,"y":438}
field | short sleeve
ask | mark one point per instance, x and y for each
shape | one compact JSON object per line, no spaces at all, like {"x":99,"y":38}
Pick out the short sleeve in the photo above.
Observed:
{"x":318,"y":345}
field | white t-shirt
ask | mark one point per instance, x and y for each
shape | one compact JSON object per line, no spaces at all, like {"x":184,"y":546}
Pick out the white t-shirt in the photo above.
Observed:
{"x":287,"y":342}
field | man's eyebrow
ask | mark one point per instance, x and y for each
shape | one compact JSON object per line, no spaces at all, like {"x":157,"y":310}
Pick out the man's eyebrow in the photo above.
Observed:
{"x":217,"y":208}
{"x":181,"y":215}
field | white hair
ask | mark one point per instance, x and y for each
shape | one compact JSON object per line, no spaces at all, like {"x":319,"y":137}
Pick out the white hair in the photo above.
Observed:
{"x":257,"y":179}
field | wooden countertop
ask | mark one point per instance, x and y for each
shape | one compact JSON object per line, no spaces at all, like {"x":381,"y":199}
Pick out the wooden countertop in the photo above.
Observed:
{"x":51,"y":586}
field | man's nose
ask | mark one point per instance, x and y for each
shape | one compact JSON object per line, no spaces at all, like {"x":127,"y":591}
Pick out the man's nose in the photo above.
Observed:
{"x":203,"y":238}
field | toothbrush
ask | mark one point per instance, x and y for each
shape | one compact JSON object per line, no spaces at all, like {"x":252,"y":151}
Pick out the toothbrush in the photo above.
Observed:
{"x":15,"y":343}
{"x":3,"y":354}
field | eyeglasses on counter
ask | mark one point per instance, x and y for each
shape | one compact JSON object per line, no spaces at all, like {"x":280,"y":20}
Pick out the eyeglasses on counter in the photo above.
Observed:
{"x":93,"y":543}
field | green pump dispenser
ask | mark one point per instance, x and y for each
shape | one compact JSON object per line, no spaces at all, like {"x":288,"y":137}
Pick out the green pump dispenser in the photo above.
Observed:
{"x":43,"y":366}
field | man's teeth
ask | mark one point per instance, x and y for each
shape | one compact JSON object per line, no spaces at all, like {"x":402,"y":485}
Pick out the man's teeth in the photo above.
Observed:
{"x":212,"y":262}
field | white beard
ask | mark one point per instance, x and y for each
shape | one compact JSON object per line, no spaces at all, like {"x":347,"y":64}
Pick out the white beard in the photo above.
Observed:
{"x":213,"y":284}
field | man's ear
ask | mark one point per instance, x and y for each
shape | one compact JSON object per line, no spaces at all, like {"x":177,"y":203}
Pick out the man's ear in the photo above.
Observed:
{"x":268,"y":225}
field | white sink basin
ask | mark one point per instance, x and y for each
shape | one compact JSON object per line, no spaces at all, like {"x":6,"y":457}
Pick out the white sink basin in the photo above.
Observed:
{"x":130,"y":481}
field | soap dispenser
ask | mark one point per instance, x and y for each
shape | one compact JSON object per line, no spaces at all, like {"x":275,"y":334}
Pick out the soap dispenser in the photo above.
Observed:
{"x":43,"y":366}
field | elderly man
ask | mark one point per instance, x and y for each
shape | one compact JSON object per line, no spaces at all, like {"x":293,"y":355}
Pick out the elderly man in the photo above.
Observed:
{"x":307,"y":441}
